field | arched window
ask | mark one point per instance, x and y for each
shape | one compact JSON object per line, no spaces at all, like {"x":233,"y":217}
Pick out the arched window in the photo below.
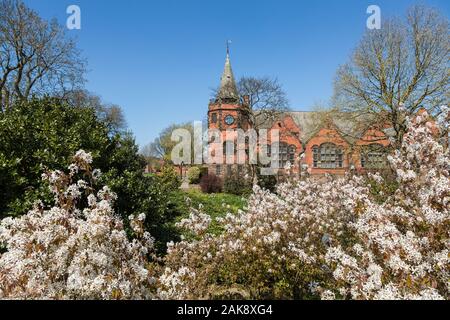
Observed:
{"x":328,"y":156}
{"x":229,"y":148}
{"x":286,"y":154}
{"x":373,"y":156}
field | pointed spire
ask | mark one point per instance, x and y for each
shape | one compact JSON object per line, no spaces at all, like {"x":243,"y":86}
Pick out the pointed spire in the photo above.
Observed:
{"x":228,"y":90}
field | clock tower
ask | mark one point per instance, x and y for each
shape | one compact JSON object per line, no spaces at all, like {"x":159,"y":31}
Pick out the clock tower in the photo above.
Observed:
{"x":227,"y":111}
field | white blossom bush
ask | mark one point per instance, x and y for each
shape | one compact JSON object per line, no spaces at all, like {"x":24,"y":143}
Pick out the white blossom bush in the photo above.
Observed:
{"x":197,"y":222}
{"x":312,"y":239}
{"x":70,"y":253}
{"x":329,"y":240}
{"x":403,"y":244}
{"x":273,"y":250}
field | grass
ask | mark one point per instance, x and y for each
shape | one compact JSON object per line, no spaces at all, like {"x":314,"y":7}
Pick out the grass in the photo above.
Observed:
{"x":216,"y":205}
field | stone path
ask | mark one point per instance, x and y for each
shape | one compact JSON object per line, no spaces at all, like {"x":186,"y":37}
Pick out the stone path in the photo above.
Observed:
{"x":184,"y":184}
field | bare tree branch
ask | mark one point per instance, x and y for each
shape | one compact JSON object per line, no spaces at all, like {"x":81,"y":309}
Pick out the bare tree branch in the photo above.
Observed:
{"x":110,"y":114}
{"x":36,"y":56}
{"x":397,"y":70}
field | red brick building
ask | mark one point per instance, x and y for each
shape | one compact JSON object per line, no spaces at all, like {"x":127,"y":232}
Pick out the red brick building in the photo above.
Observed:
{"x":313,"y":140}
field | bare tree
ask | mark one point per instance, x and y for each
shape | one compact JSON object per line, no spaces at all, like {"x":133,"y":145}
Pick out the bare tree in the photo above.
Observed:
{"x":36,"y":56}
{"x":397,"y":70}
{"x":267,"y":99}
{"x":162,"y":146}
{"x":111,"y":114}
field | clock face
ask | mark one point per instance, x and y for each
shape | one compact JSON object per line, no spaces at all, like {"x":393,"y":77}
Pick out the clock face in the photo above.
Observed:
{"x":229,"y":120}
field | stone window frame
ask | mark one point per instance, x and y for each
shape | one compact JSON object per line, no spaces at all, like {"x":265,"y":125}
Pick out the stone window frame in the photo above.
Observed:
{"x":227,"y":144}
{"x":328,"y":155}
{"x":373,"y":156}
{"x":286,"y":153}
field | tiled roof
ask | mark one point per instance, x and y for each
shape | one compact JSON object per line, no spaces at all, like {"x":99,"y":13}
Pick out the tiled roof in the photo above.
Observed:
{"x":310,"y":122}
{"x":228,"y":89}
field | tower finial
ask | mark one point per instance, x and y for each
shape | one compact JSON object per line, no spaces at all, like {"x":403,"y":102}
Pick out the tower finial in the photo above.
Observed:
{"x":228,"y":47}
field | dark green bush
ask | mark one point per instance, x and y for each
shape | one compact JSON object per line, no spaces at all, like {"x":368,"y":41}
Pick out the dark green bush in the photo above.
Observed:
{"x":46,"y":133}
{"x":267,"y":182}
{"x":237,"y":185}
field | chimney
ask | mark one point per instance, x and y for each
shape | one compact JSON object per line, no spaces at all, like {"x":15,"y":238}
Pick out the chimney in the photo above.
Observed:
{"x":246,"y":100}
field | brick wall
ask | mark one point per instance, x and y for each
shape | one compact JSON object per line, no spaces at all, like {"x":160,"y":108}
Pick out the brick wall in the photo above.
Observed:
{"x":291,"y":134}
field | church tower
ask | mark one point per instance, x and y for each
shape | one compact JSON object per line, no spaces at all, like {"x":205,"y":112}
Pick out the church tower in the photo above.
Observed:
{"x":227,"y":111}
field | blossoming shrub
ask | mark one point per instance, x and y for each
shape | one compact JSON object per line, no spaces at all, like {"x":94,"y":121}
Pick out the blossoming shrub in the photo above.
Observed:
{"x":270,"y":251}
{"x":68,"y":253}
{"x":329,"y":239}
{"x":403,"y":244}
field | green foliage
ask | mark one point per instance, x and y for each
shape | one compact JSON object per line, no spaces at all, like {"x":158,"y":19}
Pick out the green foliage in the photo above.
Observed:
{"x":43,"y":134}
{"x":193,"y":175}
{"x":46,"y":133}
{"x":237,"y":185}
{"x":169,"y":178}
{"x":150,"y":194}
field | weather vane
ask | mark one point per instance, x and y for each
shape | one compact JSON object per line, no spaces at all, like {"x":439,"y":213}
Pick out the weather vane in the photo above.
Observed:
{"x":228,"y":46}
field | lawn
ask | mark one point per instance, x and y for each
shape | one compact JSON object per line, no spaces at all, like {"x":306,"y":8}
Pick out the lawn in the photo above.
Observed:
{"x":217,"y":205}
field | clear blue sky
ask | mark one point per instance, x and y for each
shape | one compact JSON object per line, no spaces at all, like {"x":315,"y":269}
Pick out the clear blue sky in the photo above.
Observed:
{"x":159,"y":59}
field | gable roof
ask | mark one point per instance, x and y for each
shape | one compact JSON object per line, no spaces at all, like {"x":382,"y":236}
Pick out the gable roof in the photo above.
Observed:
{"x":311,"y":122}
